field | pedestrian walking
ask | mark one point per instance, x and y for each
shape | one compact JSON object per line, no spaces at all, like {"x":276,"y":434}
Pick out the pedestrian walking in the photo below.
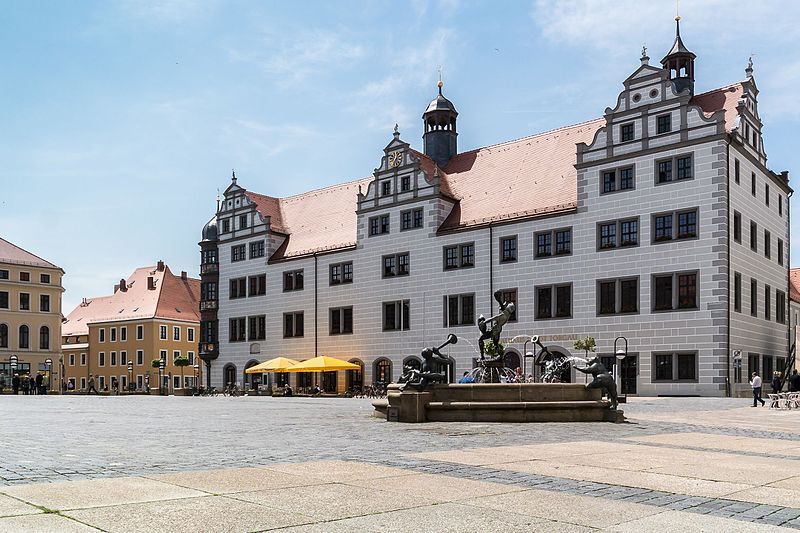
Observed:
{"x":794,"y":382}
{"x":756,"y":384}
{"x":39,"y":379}
{"x":15,"y":382}
{"x":776,"y":382}
{"x":91,"y":386}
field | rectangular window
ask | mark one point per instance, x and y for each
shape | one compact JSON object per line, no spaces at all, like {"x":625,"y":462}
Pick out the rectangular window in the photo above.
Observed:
{"x":139,"y":357}
{"x":663,"y":293}
{"x":162,"y":333}
{"x":293,"y":324}
{"x":684,"y":167}
{"x":459,"y":256}
{"x":609,"y":181}
{"x":44,"y":278}
{"x":780,"y":252}
{"x":544,"y":244}
{"x":24,"y":301}
{"x":508,"y":249}
{"x":510,"y":296}
{"x":627,"y":230}
{"x":405,"y":183}
{"x":617,"y":296}
{"x":123,"y":333}
{"x":238,"y":288}
{"x":139,"y":332}
{"x":675,"y":291}
{"x":736,"y":171}
{"x":237,"y":329}
{"x":467,"y":254}
{"x":176,"y":333}
{"x":256,"y":249}
{"x":780,"y":205}
{"x":190,"y":334}
{"x":665,"y":173}
{"x":737,"y":227}
{"x":72,"y":359}
{"x":563,"y":242}
{"x":257,"y":285}
{"x":405,"y":220}
{"x":766,"y":194}
{"x":617,"y":180}
{"x":780,"y":307}
{"x":753,"y":297}
{"x":663,"y":364}
{"x":123,"y":358}
{"x":238,"y":253}
{"x":293,"y":280}
{"x":341,"y":320}
{"x":208,"y":290}
{"x":767,"y":302}
{"x":663,"y":228}
{"x":687,"y":224}
{"x":626,"y":132}
{"x":687,"y":291}
{"x":176,"y":354}
{"x":101,"y":359}
{"x":379,"y":225}
{"x":44,"y":303}
{"x":767,"y":244}
{"x":24,"y":276}
{"x":687,"y":366}
{"x":3,"y":274}
{"x":113,"y":334}
{"x":101,"y":335}
{"x":629,"y":295}
{"x":242,"y":221}
{"x":396,"y":265}
{"x":753,"y":236}
{"x":341,"y":273}
{"x":419,"y":217}
{"x":663,"y":123}
{"x":737,"y":292}
{"x":397,"y":315}
{"x":753,"y":183}
{"x":3,"y":299}
{"x":83,"y":359}
{"x":554,"y":301}
{"x":113,"y":359}
{"x":386,"y":188}
{"x":411,"y":219}
{"x":608,"y":235}
{"x":459,"y":310}
{"x":226,"y":225}
{"x":626,"y":178}
{"x":257,"y":328}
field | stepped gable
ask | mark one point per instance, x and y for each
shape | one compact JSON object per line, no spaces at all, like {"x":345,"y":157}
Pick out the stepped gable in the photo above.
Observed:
{"x":138,"y":302}
{"x":527,"y":177}
{"x":725,"y":99}
{"x":11,"y":253}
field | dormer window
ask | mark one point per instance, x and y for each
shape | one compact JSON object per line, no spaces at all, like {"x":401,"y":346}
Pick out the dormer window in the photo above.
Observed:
{"x":386,"y":188}
{"x":664,"y":123}
{"x":626,"y":132}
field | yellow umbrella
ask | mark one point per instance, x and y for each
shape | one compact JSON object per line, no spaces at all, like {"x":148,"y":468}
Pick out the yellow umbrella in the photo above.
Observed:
{"x":279,"y":364}
{"x":323,"y":363}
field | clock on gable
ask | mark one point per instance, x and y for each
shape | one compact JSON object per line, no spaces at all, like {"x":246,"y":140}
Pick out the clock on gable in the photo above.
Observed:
{"x":395,"y":158}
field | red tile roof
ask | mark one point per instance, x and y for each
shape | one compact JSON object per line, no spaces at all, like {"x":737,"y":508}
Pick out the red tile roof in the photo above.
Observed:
{"x":173,"y":298}
{"x":527,"y":177}
{"x":11,"y":253}
{"x":794,"y":285}
{"x":725,"y":98}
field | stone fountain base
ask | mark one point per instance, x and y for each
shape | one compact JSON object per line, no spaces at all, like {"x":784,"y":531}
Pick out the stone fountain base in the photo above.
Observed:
{"x":497,"y":402}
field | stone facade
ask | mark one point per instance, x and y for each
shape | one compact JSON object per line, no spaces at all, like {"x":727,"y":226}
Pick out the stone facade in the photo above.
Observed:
{"x":684,"y":327}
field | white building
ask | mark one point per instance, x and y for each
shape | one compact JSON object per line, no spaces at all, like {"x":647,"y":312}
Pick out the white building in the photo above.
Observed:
{"x":659,"y":222}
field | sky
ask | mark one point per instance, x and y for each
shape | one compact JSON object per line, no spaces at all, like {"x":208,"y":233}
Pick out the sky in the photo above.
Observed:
{"x":121,"y":119}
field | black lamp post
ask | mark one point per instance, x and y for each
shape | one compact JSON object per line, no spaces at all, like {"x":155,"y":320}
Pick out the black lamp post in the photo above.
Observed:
{"x":196,"y":377}
{"x":62,"y":380}
{"x":620,"y":354}
{"x":130,"y":374}
{"x":12,"y":363}
{"x":161,"y":365}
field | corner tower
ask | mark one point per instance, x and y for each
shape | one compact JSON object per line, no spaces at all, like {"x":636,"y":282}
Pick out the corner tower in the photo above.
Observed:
{"x":679,"y":62}
{"x":440,"y":137}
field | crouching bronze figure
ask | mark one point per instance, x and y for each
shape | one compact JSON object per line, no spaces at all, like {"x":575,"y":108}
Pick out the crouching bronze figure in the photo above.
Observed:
{"x":602,"y":379}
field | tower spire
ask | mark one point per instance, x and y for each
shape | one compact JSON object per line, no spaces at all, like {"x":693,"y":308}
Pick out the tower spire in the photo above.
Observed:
{"x":679,"y":61}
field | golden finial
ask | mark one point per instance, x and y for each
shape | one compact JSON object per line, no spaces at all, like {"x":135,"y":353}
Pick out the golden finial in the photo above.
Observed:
{"x":440,"y":84}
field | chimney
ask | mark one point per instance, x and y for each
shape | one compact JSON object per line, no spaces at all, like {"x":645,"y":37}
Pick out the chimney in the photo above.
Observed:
{"x":122,"y":285}
{"x":183,"y":275}
{"x":151,"y":283}
{"x":160,"y":266}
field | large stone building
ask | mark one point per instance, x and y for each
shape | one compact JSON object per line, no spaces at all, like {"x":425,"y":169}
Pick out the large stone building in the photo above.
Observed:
{"x":658,"y":222}
{"x":30,"y":313}
{"x":153,"y":314}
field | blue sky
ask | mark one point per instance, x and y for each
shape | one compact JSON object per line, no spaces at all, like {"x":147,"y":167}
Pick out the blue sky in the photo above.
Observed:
{"x":121,"y":119}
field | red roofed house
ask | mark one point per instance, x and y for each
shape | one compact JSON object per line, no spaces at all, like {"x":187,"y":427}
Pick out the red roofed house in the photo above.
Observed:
{"x":151,"y":315}
{"x":658,"y":224}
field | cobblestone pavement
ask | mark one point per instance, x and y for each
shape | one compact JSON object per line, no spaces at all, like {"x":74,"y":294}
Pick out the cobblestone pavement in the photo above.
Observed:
{"x":53,"y":438}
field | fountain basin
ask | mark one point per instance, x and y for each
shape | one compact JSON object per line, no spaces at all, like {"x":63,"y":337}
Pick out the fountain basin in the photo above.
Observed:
{"x":497,"y":402}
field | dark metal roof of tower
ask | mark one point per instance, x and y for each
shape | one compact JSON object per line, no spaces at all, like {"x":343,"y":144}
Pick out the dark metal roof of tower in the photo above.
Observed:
{"x":440,"y":103}
{"x":678,"y":48}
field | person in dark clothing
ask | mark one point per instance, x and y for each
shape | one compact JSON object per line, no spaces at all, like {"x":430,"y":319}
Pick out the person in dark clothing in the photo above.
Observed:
{"x":776,"y":383}
{"x":91,"y":386}
{"x":794,"y":382}
{"x":15,"y":384}
{"x":39,"y":380}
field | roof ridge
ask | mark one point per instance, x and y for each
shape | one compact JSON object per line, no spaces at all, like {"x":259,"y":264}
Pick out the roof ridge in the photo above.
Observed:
{"x":332,"y":186}
{"x":531,"y":136}
{"x":724,"y":87}
{"x":53,"y":265}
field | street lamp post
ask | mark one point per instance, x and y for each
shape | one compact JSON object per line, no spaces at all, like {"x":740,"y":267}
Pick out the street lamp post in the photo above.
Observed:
{"x":161,"y":366}
{"x":196,"y":378}
{"x":130,"y":375}
{"x":12,"y":363}
{"x":620,"y":354}
{"x":49,"y":363}
{"x":62,"y":382}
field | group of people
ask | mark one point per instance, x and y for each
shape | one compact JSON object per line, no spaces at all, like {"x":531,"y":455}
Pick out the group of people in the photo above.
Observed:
{"x":756,"y":384}
{"x":28,"y":384}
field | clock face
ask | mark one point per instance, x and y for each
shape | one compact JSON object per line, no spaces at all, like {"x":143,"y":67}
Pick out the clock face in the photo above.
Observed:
{"x":395,"y":158}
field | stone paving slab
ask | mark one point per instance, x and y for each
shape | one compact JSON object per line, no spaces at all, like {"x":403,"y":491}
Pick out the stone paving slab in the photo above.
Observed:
{"x":231,"y":480}
{"x":436,"y":488}
{"x":770,"y":496}
{"x":336,"y":471}
{"x":98,"y":492}
{"x":722,"y":442}
{"x":12,"y":506}
{"x":682,"y":522}
{"x":43,"y":523}
{"x":210,"y":514}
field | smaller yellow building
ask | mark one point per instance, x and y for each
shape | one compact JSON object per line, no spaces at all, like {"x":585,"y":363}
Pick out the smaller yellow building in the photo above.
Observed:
{"x":30,"y":314}
{"x":152,"y":315}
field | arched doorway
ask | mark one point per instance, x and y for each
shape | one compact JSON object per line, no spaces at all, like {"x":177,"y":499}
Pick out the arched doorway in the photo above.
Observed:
{"x":229,"y":375}
{"x":252,"y":380}
{"x":545,"y":359}
{"x":412,"y":362}
{"x":354,"y":379}
{"x":382,"y":371}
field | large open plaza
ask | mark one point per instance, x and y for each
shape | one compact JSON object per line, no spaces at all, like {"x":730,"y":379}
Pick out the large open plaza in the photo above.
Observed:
{"x":326,"y":464}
